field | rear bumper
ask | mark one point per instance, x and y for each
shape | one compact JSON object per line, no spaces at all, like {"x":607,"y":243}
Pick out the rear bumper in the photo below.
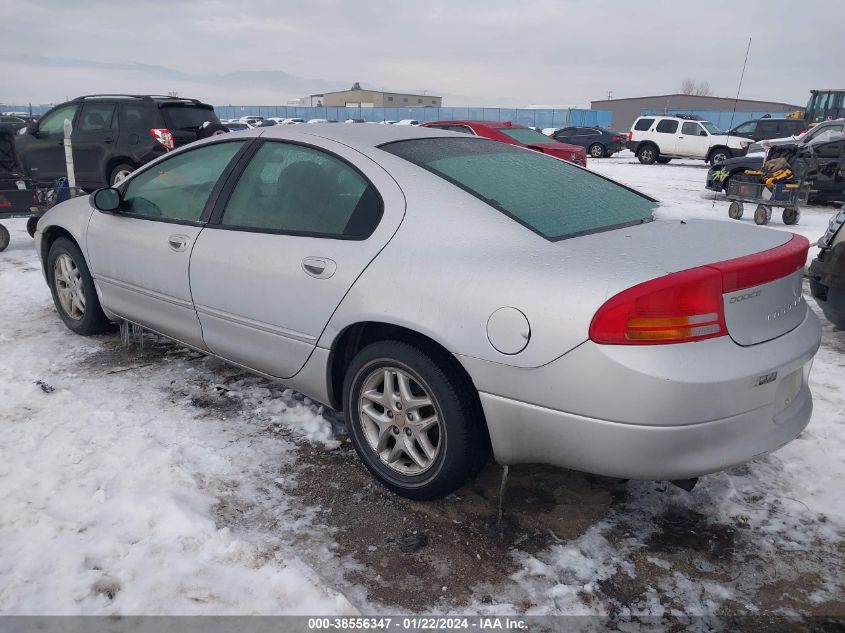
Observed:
{"x":656,"y":412}
{"x":632,"y":145}
{"x":523,"y":432}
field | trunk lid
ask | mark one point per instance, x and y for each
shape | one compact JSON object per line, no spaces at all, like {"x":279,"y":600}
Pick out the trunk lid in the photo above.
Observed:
{"x":760,"y":268}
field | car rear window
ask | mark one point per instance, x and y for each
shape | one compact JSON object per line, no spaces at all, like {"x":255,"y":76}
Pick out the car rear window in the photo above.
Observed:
{"x":525,"y":135}
{"x":643,"y":124}
{"x":553,"y":198}
{"x":181,"y":117}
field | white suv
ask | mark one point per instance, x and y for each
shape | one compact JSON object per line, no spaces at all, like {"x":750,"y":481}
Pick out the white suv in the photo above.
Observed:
{"x":662,"y":138}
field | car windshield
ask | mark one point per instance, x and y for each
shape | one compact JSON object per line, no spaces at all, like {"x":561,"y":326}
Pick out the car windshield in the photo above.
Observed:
{"x":710,"y":127}
{"x":181,"y":117}
{"x":526,"y":136}
{"x":551,"y":197}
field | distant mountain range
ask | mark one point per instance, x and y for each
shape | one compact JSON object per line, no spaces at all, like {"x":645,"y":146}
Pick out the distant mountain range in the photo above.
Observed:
{"x":233,"y":87}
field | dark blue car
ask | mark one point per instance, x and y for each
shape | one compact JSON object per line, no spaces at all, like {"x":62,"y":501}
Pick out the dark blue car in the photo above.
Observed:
{"x":598,"y":141}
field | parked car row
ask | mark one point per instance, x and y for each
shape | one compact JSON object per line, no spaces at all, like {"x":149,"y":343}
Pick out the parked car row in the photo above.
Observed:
{"x":514,"y":134}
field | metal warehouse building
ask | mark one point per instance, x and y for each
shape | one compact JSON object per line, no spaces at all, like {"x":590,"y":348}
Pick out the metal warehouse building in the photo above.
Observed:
{"x":625,"y":111}
{"x":377,"y":99}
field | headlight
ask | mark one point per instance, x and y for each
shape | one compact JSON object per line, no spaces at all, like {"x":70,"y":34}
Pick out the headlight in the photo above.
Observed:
{"x":23,"y":130}
{"x":743,"y":144}
{"x":833,"y":227}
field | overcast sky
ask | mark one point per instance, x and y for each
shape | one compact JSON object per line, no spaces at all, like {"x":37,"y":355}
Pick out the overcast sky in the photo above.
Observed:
{"x":476,"y":52}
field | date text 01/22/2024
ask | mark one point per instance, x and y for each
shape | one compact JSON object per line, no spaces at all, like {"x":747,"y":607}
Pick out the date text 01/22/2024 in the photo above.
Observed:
{"x":421,"y":623}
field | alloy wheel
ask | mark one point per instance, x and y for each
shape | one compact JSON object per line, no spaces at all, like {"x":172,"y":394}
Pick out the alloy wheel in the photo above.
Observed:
{"x":120,"y":176}
{"x":67,"y":279}
{"x":400,"y":420}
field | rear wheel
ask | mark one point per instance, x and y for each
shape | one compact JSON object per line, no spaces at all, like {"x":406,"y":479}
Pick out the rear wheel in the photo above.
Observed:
{"x":648,"y":154}
{"x":663,"y":160}
{"x":412,"y":420}
{"x":762,"y":214}
{"x":73,"y":289}
{"x":791,"y":216}
{"x":31,"y":226}
{"x":597,"y":150}
{"x":736,"y":210}
{"x":119,"y":174}
{"x":5,"y":238}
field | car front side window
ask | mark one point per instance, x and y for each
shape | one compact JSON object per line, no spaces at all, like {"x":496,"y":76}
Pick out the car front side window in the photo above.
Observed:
{"x":288,"y":188}
{"x":54,"y":123}
{"x":178,"y":187}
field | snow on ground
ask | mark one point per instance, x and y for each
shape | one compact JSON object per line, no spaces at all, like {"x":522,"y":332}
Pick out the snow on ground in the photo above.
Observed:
{"x":160,"y":483}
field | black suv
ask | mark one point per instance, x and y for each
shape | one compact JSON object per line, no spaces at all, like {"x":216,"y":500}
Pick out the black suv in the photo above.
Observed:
{"x":767,"y":127}
{"x":112,"y":136}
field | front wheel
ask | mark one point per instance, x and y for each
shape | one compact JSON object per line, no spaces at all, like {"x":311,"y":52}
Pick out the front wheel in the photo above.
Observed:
{"x":31,"y":226}
{"x":413,"y":420}
{"x":719,"y":156}
{"x":73,"y":289}
{"x":5,"y":238}
{"x":597,"y":150}
{"x":736,"y":210}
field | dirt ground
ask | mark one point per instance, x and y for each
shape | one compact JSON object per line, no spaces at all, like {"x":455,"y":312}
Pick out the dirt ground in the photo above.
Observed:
{"x":455,"y":552}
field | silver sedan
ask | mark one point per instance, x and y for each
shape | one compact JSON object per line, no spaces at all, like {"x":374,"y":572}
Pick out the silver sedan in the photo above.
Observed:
{"x":454,"y":296}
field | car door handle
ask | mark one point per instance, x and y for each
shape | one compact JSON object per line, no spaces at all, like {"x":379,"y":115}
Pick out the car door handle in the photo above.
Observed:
{"x":319,"y":267}
{"x":177,"y":243}
{"x":108,"y":139}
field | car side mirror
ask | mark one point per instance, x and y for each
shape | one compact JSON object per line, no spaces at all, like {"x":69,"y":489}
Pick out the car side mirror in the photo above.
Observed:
{"x":32,"y":127}
{"x":107,"y":199}
{"x":702,"y":133}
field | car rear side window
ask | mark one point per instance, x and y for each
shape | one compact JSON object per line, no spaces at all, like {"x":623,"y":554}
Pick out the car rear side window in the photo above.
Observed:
{"x":289,"y":188}
{"x":185,"y":117}
{"x":133,"y":116}
{"x":96,"y":116}
{"x":551,"y":197}
{"x":177,"y":188}
{"x":667,"y":126}
{"x":643,"y":125}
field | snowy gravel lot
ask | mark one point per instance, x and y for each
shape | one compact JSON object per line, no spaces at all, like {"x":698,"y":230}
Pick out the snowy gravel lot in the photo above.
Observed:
{"x":154,"y":480}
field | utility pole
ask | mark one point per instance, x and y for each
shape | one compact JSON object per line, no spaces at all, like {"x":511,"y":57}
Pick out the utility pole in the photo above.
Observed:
{"x":609,"y":95}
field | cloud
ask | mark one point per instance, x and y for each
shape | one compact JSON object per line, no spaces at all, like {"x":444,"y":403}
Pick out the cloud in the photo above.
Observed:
{"x":487,"y":51}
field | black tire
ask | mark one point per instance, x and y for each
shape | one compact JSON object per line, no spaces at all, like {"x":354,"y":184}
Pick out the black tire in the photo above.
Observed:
{"x":119,"y":173}
{"x":647,"y":154}
{"x":762,"y":214}
{"x":597,"y":150}
{"x":464,"y":446}
{"x":719,"y":156}
{"x":663,"y":160}
{"x":31,"y":225}
{"x":791,"y":216}
{"x":5,"y":238}
{"x":212,"y":129}
{"x":93,"y":320}
{"x":736,"y":209}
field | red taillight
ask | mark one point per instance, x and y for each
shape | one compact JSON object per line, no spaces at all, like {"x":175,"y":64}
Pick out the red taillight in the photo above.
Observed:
{"x":630,"y":135}
{"x":617,"y":139}
{"x":163,"y":136}
{"x":680,"y":307}
{"x":4,"y":202}
{"x":688,"y":305}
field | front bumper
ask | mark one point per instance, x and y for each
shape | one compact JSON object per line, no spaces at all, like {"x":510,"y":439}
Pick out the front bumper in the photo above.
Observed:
{"x":656,"y":412}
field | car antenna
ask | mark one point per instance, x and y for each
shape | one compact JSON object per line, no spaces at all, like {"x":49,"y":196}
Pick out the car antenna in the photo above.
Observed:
{"x":736,"y":100}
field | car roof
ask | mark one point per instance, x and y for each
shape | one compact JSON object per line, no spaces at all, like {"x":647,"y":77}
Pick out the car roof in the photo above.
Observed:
{"x":356,"y":136}
{"x":491,"y":124}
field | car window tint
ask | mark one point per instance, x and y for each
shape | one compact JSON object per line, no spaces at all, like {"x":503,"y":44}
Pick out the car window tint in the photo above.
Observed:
{"x":551,"y":197}
{"x":296,"y":189}
{"x":177,"y":188}
{"x":643,"y":124}
{"x":96,"y":116}
{"x":690,"y":128}
{"x":54,"y":123}
{"x":131,"y":116}
{"x":667,"y":126}
{"x":463,"y":129}
{"x":745,"y":128}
